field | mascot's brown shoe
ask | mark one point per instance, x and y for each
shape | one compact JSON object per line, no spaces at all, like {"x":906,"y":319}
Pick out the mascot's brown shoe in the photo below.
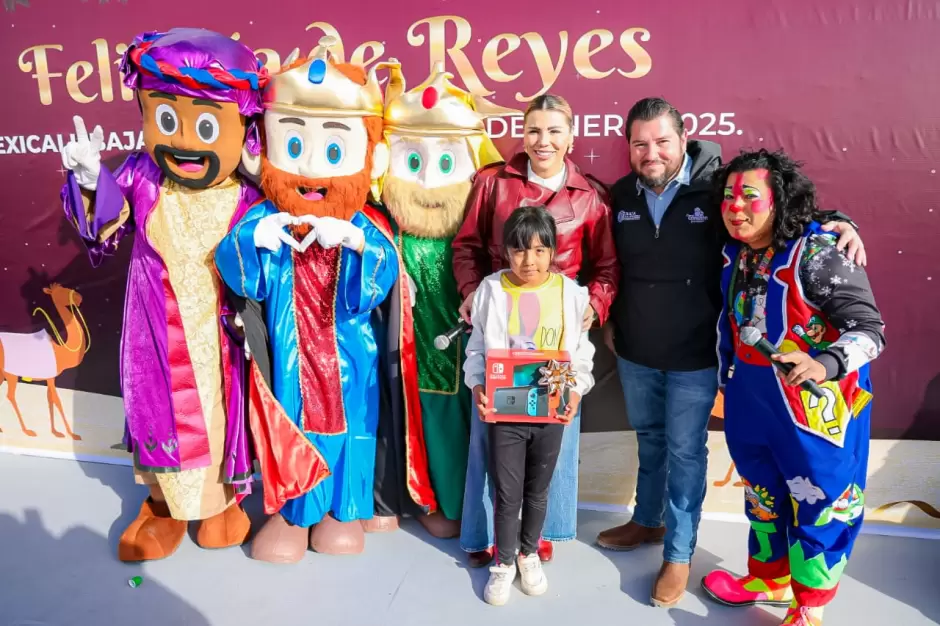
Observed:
{"x":439,"y":526}
{"x":153,"y":535}
{"x":380,"y":524}
{"x":279,"y":542}
{"x":229,"y":528}
{"x":332,"y":536}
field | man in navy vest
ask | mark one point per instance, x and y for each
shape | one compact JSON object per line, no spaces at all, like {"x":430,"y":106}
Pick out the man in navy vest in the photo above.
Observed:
{"x":669,"y":236}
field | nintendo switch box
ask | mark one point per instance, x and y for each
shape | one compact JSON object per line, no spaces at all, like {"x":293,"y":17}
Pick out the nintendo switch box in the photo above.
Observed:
{"x":513,"y":389}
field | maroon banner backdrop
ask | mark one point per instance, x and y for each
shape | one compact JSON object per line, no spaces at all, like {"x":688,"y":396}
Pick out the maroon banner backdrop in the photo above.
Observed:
{"x":851,"y":88}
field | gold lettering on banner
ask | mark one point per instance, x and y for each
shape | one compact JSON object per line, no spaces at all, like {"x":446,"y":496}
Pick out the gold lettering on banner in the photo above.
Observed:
{"x":359,"y":54}
{"x":492,"y":56}
{"x":42,"y":74}
{"x":104,"y":69}
{"x":453,"y":50}
{"x":644,"y":63}
{"x":327,"y":29}
{"x":272,"y":60}
{"x":78,"y":72}
{"x":127,"y":94}
{"x":437,"y":48}
{"x":583,"y":53}
{"x":548,"y":71}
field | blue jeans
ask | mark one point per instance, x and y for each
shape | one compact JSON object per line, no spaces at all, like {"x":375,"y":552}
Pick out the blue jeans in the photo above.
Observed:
{"x":669,"y":412}
{"x":561,"y":520}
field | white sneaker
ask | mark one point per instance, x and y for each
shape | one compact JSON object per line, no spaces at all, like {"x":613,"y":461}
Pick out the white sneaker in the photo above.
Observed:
{"x":534,"y":582}
{"x":499,"y":585}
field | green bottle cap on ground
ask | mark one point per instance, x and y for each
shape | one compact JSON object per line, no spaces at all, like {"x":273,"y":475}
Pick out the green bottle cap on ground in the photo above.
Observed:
{"x":135,"y":582}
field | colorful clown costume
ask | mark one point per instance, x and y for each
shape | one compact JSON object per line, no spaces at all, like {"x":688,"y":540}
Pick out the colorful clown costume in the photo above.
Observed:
{"x":803,"y":459}
{"x":318,"y":307}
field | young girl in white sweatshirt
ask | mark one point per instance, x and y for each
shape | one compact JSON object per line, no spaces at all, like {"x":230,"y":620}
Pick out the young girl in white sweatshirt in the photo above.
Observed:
{"x":525,"y":307}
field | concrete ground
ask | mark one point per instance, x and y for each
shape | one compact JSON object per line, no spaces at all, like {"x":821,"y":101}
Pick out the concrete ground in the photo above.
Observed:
{"x":60,"y":521}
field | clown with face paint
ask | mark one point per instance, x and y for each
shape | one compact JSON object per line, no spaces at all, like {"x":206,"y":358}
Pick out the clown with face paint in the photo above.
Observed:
{"x":438,"y":140}
{"x":808,"y":455}
{"x":181,"y":364}
{"x":321,"y":261}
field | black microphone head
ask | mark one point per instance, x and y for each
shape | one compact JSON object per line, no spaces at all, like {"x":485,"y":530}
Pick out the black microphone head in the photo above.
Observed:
{"x":750,"y":336}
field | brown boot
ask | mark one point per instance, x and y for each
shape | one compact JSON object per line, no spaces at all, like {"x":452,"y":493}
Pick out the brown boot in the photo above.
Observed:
{"x":279,"y":542}
{"x":439,"y":526}
{"x":332,"y":536}
{"x":670,"y":585}
{"x":380,"y":524}
{"x":630,"y":536}
{"x":229,"y":528}
{"x":153,"y":535}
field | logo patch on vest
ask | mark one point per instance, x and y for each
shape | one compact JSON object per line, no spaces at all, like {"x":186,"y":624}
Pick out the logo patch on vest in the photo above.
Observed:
{"x":697,"y":216}
{"x":627,"y":216}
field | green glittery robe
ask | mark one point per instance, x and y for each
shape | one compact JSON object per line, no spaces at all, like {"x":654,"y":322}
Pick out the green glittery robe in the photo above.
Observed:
{"x":444,"y":399}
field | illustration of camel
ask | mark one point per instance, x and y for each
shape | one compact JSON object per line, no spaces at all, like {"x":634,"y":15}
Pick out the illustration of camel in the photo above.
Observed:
{"x":718,"y":410}
{"x":37,"y":356}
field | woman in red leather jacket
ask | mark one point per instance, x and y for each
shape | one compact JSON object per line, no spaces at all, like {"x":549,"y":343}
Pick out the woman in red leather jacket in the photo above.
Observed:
{"x":542,"y":174}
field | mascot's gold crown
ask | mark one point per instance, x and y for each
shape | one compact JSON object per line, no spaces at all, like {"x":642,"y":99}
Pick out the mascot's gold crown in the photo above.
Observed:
{"x":317,"y":88}
{"x":435,"y":107}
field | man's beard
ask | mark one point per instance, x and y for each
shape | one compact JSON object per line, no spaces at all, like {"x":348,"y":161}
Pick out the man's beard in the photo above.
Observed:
{"x":342,"y":195}
{"x":432,"y":213}
{"x":659,"y":181}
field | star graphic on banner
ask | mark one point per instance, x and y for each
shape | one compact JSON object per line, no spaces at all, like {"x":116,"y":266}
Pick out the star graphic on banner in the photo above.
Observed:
{"x":62,"y":171}
{"x":10,"y":5}
{"x":592,"y":156}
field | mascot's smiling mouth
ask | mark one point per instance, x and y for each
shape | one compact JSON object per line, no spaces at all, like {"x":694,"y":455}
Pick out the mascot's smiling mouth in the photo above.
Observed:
{"x":312,"y":193}
{"x":187,"y":163}
{"x":181,"y":165}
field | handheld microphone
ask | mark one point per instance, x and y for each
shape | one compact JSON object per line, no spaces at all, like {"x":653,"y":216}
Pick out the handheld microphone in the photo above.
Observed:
{"x":752,"y":337}
{"x":442,"y":342}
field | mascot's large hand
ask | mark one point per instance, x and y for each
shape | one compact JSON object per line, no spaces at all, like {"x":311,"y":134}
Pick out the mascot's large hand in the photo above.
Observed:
{"x":270,"y":233}
{"x":332,"y":232}
{"x":83,"y":156}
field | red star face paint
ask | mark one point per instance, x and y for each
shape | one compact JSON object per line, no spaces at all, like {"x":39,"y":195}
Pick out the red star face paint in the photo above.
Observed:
{"x":747,"y":208}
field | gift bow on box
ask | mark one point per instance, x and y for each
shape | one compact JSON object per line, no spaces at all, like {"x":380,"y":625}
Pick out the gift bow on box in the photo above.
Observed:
{"x":557,"y":376}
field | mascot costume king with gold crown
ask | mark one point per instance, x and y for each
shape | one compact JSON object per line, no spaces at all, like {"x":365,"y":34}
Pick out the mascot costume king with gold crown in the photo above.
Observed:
{"x":437,"y":138}
{"x":320,"y":260}
{"x":181,"y":355}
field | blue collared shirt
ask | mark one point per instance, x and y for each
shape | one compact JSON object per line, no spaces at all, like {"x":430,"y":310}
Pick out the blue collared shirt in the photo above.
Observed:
{"x":659,"y":203}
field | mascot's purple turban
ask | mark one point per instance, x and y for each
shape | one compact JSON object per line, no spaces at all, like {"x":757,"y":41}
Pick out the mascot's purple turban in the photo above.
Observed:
{"x":199,"y":63}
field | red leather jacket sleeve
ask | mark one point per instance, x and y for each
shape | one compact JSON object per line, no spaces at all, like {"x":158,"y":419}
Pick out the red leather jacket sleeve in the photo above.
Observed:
{"x":602,"y":255}
{"x":471,"y":259}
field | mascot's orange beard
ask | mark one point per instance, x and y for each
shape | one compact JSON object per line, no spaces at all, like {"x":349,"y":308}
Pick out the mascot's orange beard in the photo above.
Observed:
{"x":342,"y":195}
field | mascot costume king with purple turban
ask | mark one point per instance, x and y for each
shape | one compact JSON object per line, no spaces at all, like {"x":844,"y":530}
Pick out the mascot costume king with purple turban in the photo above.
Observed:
{"x":182,"y":360}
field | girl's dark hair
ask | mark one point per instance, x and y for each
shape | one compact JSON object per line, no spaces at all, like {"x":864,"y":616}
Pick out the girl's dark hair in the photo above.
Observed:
{"x":527,"y":222}
{"x":794,"y":193}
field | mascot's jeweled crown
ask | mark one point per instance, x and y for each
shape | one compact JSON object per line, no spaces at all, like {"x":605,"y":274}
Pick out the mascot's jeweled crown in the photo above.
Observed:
{"x":316,"y":87}
{"x":435,"y":107}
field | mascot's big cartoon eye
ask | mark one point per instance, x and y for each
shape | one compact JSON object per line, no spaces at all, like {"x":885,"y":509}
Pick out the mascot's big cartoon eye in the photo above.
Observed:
{"x":334,"y":150}
{"x":207,"y":127}
{"x":446,"y":162}
{"x":167,"y":121}
{"x":294,"y":144}
{"x":414,"y":162}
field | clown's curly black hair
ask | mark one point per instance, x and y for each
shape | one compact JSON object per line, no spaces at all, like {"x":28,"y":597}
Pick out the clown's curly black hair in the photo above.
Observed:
{"x":794,"y":194}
